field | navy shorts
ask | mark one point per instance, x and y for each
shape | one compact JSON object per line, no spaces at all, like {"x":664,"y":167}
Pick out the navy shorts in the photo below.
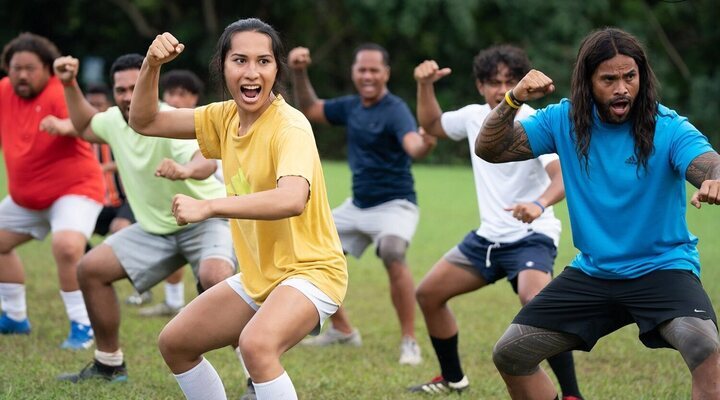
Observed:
{"x":591,"y":308}
{"x":494,"y":261}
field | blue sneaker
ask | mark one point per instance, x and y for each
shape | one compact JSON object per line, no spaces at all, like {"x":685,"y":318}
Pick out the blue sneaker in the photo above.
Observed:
{"x":80,"y":337}
{"x":9,"y":326}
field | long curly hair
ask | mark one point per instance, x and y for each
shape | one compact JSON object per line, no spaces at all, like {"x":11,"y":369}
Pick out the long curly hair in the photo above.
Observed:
{"x":596,"y":48}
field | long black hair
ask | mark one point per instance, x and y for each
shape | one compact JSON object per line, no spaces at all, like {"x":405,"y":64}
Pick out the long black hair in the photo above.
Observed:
{"x":596,"y":48}
{"x":217,"y":62}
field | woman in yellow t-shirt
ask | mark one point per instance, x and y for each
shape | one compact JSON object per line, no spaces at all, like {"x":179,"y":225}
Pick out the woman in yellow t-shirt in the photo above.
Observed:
{"x":293,"y":274}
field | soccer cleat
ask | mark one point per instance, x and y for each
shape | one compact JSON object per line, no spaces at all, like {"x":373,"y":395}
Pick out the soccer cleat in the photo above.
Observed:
{"x":80,"y":337}
{"x":440,"y":386}
{"x":159,"y":310}
{"x":249,"y":392}
{"x":570,"y":397}
{"x":96,"y":370}
{"x":333,"y":336}
{"x":9,"y":326}
{"x":138,"y":299}
{"x":409,"y":352}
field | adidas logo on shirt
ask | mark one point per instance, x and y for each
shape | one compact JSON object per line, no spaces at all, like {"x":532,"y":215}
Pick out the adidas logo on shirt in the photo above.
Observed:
{"x":631,"y":160}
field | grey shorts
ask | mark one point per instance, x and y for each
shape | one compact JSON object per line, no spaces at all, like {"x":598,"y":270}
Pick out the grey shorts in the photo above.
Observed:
{"x":359,"y":227}
{"x":148,"y":259}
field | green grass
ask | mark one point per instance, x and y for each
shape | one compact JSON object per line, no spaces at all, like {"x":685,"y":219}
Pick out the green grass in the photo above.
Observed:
{"x":618,"y":368}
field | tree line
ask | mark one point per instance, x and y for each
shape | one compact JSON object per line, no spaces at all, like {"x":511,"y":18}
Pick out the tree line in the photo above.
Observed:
{"x":681,"y":37}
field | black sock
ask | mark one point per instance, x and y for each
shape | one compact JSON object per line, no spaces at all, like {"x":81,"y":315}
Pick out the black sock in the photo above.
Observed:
{"x":564,"y":368}
{"x":447,"y":354}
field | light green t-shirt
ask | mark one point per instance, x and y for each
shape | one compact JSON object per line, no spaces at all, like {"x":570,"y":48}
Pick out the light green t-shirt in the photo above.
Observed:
{"x":137,"y":157}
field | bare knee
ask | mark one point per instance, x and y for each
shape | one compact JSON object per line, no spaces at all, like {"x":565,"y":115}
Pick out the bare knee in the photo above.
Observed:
{"x":257,"y":352}
{"x":391,"y":250}
{"x":68,"y":247}
{"x":427,"y":297}
{"x":213,"y":271}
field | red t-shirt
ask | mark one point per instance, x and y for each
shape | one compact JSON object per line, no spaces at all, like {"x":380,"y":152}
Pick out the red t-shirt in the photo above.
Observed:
{"x":41,"y":167}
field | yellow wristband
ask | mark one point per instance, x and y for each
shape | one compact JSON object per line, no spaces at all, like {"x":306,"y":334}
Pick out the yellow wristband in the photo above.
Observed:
{"x":510,"y":101}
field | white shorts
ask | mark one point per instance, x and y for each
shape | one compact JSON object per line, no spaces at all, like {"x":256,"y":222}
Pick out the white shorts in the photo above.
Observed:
{"x":359,"y":227}
{"x":68,"y":213}
{"x":323,"y":304}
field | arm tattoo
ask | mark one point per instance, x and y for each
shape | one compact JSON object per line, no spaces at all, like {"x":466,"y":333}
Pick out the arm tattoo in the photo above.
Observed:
{"x":501,"y":139}
{"x":703,"y":167}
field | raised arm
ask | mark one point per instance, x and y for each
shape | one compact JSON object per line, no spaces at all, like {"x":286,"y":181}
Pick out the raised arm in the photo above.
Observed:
{"x":303,"y":93}
{"x":704,"y":173}
{"x":80,"y":110}
{"x":198,"y":168}
{"x":501,"y":139}
{"x":418,"y":144}
{"x":145,"y":115}
{"x":428,"y":109}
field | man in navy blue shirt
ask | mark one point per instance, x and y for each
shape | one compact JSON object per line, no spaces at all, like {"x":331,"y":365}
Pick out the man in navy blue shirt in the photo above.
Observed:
{"x":382,"y":141}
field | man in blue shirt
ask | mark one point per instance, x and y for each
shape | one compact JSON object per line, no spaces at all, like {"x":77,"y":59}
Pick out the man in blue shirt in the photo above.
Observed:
{"x":382,"y":140}
{"x":625,"y":159}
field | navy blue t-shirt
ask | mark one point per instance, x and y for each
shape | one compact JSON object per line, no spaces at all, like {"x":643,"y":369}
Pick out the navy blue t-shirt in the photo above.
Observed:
{"x":379,"y":164}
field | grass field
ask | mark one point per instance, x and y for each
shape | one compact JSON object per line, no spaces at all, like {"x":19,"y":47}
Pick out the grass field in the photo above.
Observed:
{"x":618,"y":368}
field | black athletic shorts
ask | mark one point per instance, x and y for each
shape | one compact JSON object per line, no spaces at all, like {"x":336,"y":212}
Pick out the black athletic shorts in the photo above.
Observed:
{"x":108,"y":214}
{"x":591,"y":308}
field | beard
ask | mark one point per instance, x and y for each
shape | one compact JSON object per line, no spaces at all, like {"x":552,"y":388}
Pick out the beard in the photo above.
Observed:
{"x":617,"y":110}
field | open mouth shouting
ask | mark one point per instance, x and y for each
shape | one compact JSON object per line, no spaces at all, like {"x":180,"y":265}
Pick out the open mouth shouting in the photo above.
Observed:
{"x":250,"y":93}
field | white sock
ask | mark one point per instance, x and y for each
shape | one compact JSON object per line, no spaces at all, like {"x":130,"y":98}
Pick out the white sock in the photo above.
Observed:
{"x":75,"y":307}
{"x":280,"y":388}
{"x":175,"y":294}
{"x":12,"y":299}
{"x":239,"y":356}
{"x":202,"y":382}
{"x":114,"y":359}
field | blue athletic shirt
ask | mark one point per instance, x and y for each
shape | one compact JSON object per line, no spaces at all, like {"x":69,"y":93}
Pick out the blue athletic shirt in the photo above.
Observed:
{"x":625,"y":222}
{"x":380,"y":167}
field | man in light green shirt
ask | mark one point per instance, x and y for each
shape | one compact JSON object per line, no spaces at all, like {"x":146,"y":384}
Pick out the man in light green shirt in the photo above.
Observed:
{"x":153,"y":171}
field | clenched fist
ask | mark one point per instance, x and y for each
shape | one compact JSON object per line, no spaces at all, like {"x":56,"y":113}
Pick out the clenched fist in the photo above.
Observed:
{"x":163,"y":49}
{"x":532,"y":86}
{"x":299,"y":58}
{"x":66,"y":68}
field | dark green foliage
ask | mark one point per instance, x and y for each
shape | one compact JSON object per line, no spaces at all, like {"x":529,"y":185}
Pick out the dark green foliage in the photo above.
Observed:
{"x":681,"y":37}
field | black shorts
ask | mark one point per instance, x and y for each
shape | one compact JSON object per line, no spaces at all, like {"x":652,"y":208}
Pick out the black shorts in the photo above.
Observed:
{"x":108,"y":214}
{"x":591,"y":308}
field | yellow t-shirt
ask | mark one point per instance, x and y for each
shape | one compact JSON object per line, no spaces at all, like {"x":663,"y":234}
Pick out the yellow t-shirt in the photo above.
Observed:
{"x":279,"y":143}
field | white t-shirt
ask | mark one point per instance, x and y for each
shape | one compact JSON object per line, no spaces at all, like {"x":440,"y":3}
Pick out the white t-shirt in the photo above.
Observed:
{"x":501,"y":185}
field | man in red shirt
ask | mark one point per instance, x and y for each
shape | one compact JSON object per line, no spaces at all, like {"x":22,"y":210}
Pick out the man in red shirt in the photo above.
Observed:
{"x":55,"y":184}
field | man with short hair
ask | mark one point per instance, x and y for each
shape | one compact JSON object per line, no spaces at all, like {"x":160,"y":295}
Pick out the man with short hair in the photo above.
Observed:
{"x":55,"y":184}
{"x":153,"y":170}
{"x":382,"y":141}
{"x":625,"y":159}
{"x":519,"y":233}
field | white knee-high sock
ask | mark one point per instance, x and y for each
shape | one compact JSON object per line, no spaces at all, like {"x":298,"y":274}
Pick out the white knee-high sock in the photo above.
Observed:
{"x":12,"y":299}
{"x":280,"y":388}
{"x":175,"y":294}
{"x":75,"y":307}
{"x":202,"y":382}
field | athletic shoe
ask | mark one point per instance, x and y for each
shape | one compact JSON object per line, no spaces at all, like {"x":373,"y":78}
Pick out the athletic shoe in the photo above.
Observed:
{"x":96,"y":370}
{"x":138,"y":299}
{"x":9,"y":326}
{"x":80,"y":337}
{"x":333,"y":336}
{"x":571,"y":398}
{"x":409,"y":352}
{"x":159,"y":310}
{"x":440,"y":386}
{"x":249,"y":392}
